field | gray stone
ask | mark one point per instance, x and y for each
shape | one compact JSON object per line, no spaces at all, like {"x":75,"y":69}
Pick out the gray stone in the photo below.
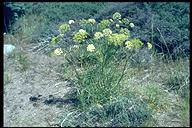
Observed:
{"x":8,"y":49}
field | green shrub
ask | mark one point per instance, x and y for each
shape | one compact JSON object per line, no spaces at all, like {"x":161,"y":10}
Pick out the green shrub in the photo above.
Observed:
{"x":57,"y":10}
{"x":45,"y":15}
{"x":25,"y":30}
{"x":165,"y":24}
{"x":128,"y":111}
{"x":104,"y":24}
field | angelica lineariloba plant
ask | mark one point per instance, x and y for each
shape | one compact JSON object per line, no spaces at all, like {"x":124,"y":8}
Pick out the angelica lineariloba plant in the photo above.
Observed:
{"x":101,"y":75}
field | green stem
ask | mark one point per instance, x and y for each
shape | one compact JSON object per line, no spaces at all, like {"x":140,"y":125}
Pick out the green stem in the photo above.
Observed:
{"x":123,"y":72}
{"x":73,"y":66}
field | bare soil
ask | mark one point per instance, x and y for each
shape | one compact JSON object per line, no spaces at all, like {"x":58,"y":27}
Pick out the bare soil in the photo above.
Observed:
{"x":26,"y":93}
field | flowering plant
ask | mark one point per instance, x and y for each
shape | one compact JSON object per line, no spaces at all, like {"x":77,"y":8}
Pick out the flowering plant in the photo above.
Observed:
{"x":134,"y":44}
{"x":91,"y":48}
{"x":64,"y":27}
{"x":117,"y":39}
{"x":58,"y":51}
{"x":94,"y":50}
{"x":98,"y":35}
{"x":80,"y":36}
{"x":104,"y":24}
{"x":117,"y":16}
{"x":107,"y":32}
{"x":92,"y":21}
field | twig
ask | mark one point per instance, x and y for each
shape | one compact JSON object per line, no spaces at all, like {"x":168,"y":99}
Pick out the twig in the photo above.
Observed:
{"x":47,"y":120}
{"x":152,"y":29}
{"x":164,"y":41}
{"x":66,"y":118}
{"x":40,"y":49}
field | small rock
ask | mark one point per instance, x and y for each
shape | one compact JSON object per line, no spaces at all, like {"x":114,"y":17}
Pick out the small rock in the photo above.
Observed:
{"x":33,"y":98}
{"x":39,"y":95}
{"x":8,"y":49}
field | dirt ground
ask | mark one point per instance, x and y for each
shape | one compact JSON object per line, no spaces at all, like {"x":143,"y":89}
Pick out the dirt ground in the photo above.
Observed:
{"x":26,"y":93}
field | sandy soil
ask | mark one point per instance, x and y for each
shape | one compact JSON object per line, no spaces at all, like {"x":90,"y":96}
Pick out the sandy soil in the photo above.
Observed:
{"x":40,"y":81}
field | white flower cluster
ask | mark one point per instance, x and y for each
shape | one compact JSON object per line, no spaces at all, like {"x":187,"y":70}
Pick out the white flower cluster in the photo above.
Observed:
{"x":71,"y":21}
{"x":107,"y":32}
{"x":117,"y":16}
{"x":82,"y":31}
{"x":98,"y":35}
{"x":117,"y":25}
{"x":58,"y":51}
{"x":91,"y":21}
{"x":128,"y":44}
{"x":91,"y":48}
{"x":131,"y":25}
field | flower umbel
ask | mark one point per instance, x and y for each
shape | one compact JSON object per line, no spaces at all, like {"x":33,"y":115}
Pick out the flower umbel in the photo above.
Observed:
{"x":98,"y":35}
{"x":58,"y":51}
{"x":82,"y":31}
{"x":92,"y":21}
{"x":117,"y":15}
{"x":149,"y":45}
{"x":71,"y":21}
{"x":91,"y":48}
{"x":104,"y":24}
{"x":76,"y":46}
{"x":117,"y":25}
{"x":131,"y":25}
{"x":125,"y":31}
{"x":55,"y":40}
{"x":107,"y":32}
{"x":117,"y":39}
{"x":134,"y":43}
{"x":64,"y":28}
{"x":80,"y":36}
{"x":125,"y":21}
{"x":129,"y":44}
